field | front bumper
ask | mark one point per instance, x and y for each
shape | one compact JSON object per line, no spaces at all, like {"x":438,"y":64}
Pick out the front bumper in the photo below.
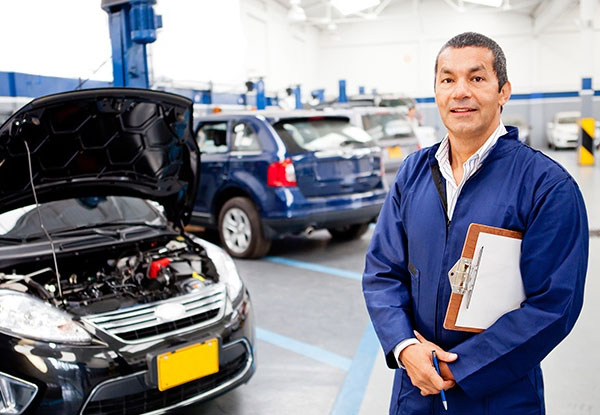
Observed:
{"x":97,"y":379}
{"x":566,"y":141}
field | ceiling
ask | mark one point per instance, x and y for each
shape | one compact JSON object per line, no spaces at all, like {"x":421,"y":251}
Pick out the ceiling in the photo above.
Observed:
{"x":323,"y":15}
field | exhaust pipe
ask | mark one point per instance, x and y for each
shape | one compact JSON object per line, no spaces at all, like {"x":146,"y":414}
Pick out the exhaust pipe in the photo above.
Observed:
{"x":308,"y":231}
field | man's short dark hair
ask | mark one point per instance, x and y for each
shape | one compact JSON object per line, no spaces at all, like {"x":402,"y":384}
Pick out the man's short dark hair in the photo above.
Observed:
{"x":472,"y":39}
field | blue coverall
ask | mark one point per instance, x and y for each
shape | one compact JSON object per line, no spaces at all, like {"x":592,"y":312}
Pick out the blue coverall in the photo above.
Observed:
{"x":406,"y":285}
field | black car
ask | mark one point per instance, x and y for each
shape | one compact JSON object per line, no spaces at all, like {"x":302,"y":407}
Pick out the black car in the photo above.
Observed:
{"x":106,"y":305}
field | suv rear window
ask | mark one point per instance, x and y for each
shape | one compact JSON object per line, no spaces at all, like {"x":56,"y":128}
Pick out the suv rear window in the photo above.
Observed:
{"x":321,"y":133}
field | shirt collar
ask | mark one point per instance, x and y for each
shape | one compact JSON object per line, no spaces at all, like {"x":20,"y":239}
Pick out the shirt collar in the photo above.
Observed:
{"x":442,"y":153}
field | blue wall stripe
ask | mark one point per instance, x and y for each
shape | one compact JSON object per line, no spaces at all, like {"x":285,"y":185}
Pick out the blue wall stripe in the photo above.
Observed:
{"x":312,"y":352}
{"x":533,"y":95}
{"x":350,"y":398}
{"x":315,"y":267}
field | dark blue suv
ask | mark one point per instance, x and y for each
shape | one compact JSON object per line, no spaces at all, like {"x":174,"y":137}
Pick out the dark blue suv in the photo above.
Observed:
{"x":265,"y":175}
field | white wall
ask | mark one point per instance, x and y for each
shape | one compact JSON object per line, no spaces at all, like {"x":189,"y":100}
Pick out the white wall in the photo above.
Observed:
{"x":67,"y":38}
{"x":229,"y":41}
{"x":222,"y":41}
{"x":200,"y":41}
{"x":283,"y":53}
{"x":397,"y":53}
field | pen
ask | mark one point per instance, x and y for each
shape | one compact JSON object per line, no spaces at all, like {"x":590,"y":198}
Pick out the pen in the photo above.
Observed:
{"x":437,"y":368}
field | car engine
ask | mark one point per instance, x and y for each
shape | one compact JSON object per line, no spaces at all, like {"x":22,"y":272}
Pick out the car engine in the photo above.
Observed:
{"x":142,"y":273}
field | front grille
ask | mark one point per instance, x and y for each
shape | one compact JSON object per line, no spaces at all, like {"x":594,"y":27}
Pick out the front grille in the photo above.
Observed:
{"x":154,"y":400}
{"x":139,"y":323}
{"x":169,"y":326}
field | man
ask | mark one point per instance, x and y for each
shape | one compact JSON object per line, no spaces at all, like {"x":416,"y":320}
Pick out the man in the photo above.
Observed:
{"x":480,"y":173}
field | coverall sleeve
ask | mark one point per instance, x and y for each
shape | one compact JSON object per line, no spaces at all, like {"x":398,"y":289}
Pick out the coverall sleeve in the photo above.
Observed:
{"x":386,"y":280}
{"x":554,"y":254}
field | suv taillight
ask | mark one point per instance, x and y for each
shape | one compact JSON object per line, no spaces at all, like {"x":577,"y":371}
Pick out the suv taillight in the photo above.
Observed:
{"x":281,"y":174}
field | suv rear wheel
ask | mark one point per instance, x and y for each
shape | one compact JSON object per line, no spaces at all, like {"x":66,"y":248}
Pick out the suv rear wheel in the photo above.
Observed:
{"x":348,"y":232}
{"x":240,"y":229}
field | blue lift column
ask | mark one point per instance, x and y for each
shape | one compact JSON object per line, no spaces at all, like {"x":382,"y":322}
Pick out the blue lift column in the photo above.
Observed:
{"x":132,"y":24}
{"x":342,"y":95}
{"x":298,"y":96}
{"x":261,"y":99}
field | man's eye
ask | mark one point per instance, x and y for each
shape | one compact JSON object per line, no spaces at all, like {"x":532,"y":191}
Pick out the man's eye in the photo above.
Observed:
{"x":478,"y":79}
{"x":446,"y":80}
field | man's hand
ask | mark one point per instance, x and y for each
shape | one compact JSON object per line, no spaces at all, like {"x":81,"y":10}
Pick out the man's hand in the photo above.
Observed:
{"x":416,"y":358}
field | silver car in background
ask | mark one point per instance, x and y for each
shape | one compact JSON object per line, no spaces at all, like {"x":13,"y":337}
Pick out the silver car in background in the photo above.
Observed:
{"x":390,"y":128}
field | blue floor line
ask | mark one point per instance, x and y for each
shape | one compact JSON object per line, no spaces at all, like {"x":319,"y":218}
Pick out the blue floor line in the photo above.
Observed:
{"x":351,"y":396}
{"x":313,"y":352}
{"x":315,"y":267}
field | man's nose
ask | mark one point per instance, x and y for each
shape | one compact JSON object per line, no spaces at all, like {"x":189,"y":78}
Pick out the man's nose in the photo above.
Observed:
{"x":461,"y":89}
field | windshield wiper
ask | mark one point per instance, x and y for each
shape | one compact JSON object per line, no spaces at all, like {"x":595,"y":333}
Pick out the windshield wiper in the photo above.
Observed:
{"x":97,"y":229}
{"x":10,"y":241}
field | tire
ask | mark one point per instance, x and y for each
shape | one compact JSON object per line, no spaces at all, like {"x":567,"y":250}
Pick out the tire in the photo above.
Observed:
{"x":348,"y":232}
{"x":240,"y":229}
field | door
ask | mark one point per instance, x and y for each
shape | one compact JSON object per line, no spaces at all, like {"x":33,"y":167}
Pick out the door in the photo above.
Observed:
{"x":213,"y":139}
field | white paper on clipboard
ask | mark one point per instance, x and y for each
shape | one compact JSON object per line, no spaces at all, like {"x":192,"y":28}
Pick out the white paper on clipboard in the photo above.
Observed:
{"x":498,"y":286}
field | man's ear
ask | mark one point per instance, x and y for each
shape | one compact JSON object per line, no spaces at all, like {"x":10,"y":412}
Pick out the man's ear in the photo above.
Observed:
{"x":505,"y":93}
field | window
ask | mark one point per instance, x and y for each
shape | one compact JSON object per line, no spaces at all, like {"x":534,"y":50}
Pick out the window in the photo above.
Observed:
{"x":212,"y":138}
{"x":321,"y":133}
{"x":244,"y":138}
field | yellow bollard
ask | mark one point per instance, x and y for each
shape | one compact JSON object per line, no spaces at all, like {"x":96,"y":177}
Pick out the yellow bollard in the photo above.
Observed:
{"x":586,"y":143}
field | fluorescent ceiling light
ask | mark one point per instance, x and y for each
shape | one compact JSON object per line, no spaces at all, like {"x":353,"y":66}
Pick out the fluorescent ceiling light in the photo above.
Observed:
{"x":347,"y":7}
{"x":297,"y":14}
{"x":490,"y":3}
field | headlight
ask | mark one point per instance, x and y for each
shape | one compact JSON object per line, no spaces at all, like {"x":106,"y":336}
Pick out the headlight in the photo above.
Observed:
{"x":226,"y":268}
{"x":29,"y":317}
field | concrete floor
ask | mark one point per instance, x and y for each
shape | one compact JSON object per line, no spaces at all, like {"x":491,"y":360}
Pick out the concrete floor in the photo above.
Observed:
{"x":317,"y":353}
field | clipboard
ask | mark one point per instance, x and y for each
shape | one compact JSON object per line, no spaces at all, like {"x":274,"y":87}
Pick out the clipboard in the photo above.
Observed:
{"x":486,"y":281}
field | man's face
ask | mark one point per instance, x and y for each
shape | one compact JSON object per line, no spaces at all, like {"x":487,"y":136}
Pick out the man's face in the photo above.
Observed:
{"x":466,"y":92}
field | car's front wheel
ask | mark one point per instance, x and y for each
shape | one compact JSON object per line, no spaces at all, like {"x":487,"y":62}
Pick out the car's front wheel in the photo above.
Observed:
{"x":348,"y":232}
{"x":240,"y":229}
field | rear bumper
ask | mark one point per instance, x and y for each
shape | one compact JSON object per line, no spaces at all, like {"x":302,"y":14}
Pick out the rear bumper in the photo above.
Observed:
{"x":328,"y":218}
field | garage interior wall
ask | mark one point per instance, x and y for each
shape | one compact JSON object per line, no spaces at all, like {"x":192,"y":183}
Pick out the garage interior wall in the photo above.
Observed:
{"x":228,"y":42}
{"x":397,"y":53}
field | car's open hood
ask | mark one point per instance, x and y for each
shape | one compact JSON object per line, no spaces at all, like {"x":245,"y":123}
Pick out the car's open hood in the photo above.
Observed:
{"x":101,"y":142}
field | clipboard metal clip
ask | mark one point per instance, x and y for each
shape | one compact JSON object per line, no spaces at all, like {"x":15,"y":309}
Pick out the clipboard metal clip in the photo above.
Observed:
{"x":463,"y":275}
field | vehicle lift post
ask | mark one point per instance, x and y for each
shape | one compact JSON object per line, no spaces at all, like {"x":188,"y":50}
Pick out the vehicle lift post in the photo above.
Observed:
{"x":342,"y":91}
{"x":132,"y":25}
{"x":298,"y":96}
{"x":261,"y":99}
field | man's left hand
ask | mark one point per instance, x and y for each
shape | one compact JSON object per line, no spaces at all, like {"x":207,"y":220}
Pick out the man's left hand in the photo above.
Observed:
{"x":445,"y":371}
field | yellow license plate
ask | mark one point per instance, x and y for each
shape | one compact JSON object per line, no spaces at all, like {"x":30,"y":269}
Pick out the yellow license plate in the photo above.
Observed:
{"x":394,"y":152}
{"x":187,"y":364}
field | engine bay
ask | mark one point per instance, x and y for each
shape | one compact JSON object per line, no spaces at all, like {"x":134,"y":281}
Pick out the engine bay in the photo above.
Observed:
{"x":102,"y":281}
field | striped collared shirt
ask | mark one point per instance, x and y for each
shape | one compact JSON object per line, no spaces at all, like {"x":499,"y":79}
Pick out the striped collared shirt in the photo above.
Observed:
{"x":470,"y":166}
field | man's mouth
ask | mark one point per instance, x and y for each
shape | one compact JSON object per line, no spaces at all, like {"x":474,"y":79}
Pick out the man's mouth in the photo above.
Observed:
{"x":462,"y":110}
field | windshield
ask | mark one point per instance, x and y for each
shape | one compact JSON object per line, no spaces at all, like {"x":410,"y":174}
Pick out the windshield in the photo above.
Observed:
{"x":568,"y":120}
{"x":317,"y":134}
{"x":63,"y":215}
{"x":387,"y":125}
{"x":397,"y":102}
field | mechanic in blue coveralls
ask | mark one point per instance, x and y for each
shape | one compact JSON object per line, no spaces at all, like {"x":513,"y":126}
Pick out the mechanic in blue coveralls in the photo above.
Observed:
{"x":480,"y":173}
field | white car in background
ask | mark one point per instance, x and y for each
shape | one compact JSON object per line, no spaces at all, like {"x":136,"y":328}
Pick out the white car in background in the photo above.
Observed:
{"x":563,"y":130}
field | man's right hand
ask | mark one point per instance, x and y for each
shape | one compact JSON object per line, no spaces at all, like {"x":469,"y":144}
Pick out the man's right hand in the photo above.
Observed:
{"x":416,"y":358}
